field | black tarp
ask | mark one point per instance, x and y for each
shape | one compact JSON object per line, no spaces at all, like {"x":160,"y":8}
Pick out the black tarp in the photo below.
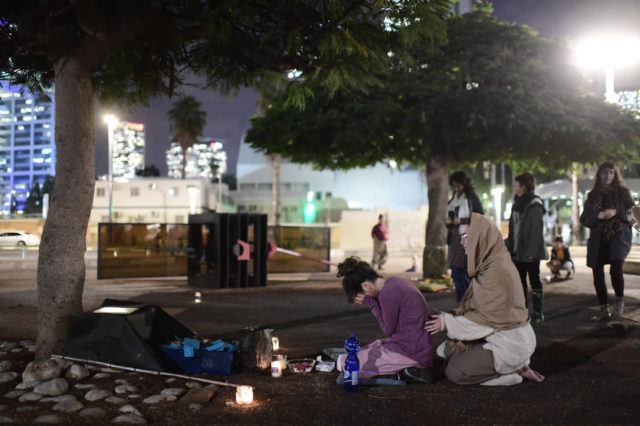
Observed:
{"x":131,"y":337}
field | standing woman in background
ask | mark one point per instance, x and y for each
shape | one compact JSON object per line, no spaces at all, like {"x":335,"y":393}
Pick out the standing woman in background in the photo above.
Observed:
{"x":526,"y":239}
{"x":463,"y":202}
{"x":605,"y":214}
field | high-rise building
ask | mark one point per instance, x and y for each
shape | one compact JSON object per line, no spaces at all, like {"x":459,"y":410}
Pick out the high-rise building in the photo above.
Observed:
{"x":128,"y":149}
{"x":200,"y":156}
{"x":27,"y":144}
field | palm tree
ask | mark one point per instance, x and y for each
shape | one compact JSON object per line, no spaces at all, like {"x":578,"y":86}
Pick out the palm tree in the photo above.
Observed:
{"x":187,"y":121}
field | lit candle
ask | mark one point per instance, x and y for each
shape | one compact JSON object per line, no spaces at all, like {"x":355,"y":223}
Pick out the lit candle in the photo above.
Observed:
{"x":244,"y":394}
{"x":276,"y":368}
{"x":276,"y":343}
{"x":198,"y":297}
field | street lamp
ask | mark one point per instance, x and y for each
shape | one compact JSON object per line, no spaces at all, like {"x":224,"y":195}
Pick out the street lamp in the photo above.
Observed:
{"x":111,"y":121}
{"x":608,"y":51}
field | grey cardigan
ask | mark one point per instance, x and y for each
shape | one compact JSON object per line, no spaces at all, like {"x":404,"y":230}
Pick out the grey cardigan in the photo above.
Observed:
{"x":530,"y":233}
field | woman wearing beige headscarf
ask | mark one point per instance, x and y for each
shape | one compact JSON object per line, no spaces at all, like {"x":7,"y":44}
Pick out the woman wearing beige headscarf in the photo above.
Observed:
{"x":490,"y":326}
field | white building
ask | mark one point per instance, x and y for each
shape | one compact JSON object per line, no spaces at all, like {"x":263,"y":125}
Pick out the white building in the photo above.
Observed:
{"x":363,"y":189}
{"x":128,"y":149}
{"x":156,"y":200}
{"x":199,"y":159}
{"x":27,"y":144}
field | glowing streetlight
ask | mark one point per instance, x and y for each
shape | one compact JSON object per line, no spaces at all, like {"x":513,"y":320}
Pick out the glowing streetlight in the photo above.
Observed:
{"x":111,"y":121}
{"x":608,"y":51}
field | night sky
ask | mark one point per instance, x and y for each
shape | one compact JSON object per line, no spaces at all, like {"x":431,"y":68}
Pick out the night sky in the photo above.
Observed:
{"x":228,"y":117}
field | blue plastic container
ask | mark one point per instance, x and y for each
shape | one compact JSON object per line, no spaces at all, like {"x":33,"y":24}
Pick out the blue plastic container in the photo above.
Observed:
{"x":216,"y":363}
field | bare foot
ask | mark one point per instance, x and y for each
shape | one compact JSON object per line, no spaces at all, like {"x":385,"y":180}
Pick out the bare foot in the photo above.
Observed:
{"x":530,"y":374}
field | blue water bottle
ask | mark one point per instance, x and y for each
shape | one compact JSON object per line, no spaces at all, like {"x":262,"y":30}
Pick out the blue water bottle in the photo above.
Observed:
{"x":351,"y":364}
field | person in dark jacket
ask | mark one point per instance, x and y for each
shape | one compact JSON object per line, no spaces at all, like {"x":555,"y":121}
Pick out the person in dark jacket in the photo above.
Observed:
{"x":463,"y":202}
{"x":605,"y":214}
{"x":526,"y":239}
{"x":560,"y":259}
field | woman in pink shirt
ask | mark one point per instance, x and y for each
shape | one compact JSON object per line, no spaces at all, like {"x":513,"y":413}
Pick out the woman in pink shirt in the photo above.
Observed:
{"x":401,"y":311}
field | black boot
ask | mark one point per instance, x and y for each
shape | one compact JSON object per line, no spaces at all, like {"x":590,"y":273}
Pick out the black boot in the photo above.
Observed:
{"x":538,"y":316}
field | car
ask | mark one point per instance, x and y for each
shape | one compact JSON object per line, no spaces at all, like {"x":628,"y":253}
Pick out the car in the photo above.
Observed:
{"x":18,"y":238}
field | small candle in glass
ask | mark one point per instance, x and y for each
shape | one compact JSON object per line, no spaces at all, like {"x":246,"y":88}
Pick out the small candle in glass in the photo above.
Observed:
{"x":198,"y":297}
{"x":275,"y":342}
{"x":244,"y":394}
{"x":276,"y":368}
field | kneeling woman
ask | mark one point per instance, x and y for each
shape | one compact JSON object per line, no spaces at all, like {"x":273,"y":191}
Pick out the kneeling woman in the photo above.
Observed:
{"x":490,"y":325}
{"x":401,"y":311}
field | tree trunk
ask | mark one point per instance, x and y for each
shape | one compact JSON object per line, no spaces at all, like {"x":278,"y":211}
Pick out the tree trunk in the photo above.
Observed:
{"x":61,"y":268}
{"x":275,"y":164}
{"x":575,"y":208}
{"x":183,"y":172}
{"x":434,"y":256}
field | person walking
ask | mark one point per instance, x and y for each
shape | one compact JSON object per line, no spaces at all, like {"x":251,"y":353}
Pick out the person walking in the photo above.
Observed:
{"x":526,"y":239}
{"x":605,"y":214}
{"x":463,"y":202}
{"x":379,"y":235}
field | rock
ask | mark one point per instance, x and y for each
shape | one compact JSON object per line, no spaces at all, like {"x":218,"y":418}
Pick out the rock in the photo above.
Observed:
{"x":16,"y":350}
{"x":134,"y":396}
{"x":172,"y":391}
{"x":68,"y":406}
{"x":5,"y":366}
{"x":92,"y":412}
{"x":170,"y":380}
{"x":53,"y":387}
{"x":121,"y":381}
{"x":129,"y":418}
{"x":101,"y":376}
{"x":27,"y":342}
{"x":30,"y":396}
{"x":110,"y":370}
{"x":14,"y":394}
{"x":194,"y":406}
{"x":41,"y":370}
{"x":8,"y":345}
{"x":201,"y":396}
{"x":193,"y":385}
{"x":31,"y":348}
{"x":3,"y":353}
{"x":77,"y":372}
{"x":27,"y":385}
{"x":126,"y":388}
{"x":130,"y":409}
{"x":85,"y":386}
{"x":3,"y":407}
{"x":62,"y":362}
{"x":96,"y":394}
{"x":25,"y":408}
{"x":154,"y":399}
{"x":8,"y":376}
{"x":115,"y":400}
{"x":47,"y":418}
{"x":5,"y":419}
{"x":59,"y":398}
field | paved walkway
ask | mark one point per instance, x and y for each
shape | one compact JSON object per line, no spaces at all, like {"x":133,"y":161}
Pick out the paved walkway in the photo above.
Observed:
{"x":592,"y":369}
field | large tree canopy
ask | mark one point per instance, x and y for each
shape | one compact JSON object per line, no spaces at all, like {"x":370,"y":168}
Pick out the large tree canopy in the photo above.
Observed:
{"x":495,"y":92}
{"x":127,"y":51}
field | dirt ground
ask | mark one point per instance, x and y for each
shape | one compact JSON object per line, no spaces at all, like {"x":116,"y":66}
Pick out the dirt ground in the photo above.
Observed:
{"x":592,"y":369}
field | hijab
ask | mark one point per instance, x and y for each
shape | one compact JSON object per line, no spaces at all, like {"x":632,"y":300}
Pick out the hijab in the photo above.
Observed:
{"x":495,"y":298}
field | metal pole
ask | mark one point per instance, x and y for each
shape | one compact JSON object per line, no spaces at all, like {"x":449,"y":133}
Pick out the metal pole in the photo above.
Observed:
{"x":110,"y":154}
{"x":609,"y":94}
